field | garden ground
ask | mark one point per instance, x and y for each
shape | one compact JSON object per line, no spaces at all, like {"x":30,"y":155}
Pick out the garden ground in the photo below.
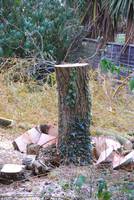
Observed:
{"x":29,"y":104}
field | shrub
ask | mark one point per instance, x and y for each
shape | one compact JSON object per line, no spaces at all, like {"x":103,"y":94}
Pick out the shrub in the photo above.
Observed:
{"x":42,"y":28}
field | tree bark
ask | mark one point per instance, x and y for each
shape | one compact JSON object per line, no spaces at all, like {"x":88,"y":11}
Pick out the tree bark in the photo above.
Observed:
{"x":74,"y":115}
{"x":130,"y":26}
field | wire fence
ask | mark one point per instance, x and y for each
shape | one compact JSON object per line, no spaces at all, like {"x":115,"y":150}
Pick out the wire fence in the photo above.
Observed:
{"x":120,"y":55}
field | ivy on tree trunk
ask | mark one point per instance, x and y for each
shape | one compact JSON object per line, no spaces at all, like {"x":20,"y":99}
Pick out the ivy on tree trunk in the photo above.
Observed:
{"x":74,"y":115}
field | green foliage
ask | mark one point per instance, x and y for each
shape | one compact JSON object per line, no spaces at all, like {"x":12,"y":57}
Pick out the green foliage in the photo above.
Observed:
{"x":80,"y":5}
{"x":65,"y":185}
{"x":120,"y":38}
{"x":120,"y":6}
{"x":79,"y":181}
{"x":108,"y":66}
{"x":103,"y":193}
{"x":41,"y":28}
{"x":128,"y":188}
{"x":71,"y":97}
{"x":51,"y":79}
{"x":131,"y":84}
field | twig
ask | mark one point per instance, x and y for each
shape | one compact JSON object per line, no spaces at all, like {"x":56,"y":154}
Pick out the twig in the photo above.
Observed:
{"x":48,"y":141}
{"x":123,"y":83}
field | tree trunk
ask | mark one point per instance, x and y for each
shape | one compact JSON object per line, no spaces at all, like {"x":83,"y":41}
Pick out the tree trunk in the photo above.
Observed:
{"x":74,"y":115}
{"x":106,"y":26}
{"x":130,"y":26}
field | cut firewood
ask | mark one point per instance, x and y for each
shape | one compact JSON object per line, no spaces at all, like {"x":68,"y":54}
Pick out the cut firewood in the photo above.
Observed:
{"x":102,"y":143}
{"x":35,"y":136}
{"x":33,"y":149}
{"x":37,"y":166}
{"x":116,"y":159}
{"x":40,"y":168}
{"x":50,"y":156}
{"x":125,"y":161}
{"x":12,"y":168}
{"x":31,"y":136}
{"x":28,"y":161}
{"x":5,"y":181}
{"x":12,"y":171}
{"x":4,"y":122}
{"x":53,"y":130}
{"x":46,"y":140}
{"x":104,"y":155}
{"x":124,"y":141}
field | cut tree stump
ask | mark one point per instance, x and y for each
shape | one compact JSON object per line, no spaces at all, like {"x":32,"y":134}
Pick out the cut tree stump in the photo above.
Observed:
{"x":12,"y":172}
{"x":74,"y":105}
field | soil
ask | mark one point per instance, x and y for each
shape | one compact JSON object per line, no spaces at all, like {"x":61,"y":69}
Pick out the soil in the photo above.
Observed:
{"x":62,"y":182}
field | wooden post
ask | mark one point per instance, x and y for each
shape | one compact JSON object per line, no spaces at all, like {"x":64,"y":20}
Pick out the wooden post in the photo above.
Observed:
{"x":74,"y":113}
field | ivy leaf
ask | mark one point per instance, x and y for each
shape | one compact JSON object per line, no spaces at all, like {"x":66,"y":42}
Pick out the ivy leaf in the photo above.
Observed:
{"x":79,"y":181}
{"x":131,"y":84}
{"x":102,"y":185}
{"x":1,"y":52}
{"x":103,"y":193}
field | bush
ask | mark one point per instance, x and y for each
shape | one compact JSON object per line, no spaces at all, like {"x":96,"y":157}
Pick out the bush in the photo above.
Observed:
{"x":42,"y":28}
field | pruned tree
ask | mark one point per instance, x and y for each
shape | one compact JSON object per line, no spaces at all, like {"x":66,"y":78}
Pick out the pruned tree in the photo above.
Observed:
{"x":74,"y":114}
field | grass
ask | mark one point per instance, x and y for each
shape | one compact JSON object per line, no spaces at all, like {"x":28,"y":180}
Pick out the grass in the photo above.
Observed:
{"x":22,"y":105}
{"x":34,"y":104}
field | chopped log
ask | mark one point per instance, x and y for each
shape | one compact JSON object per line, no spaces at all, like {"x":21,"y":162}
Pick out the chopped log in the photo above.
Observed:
{"x":28,"y":161}
{"x":104,"y":155}
{"x":53,"y":130}
{"x":42,"y":135}
{"x":37,"y":166}
{"x":46,"y":140}
{"x":33,"y":149}
{"x":126,"y":161}
{"x":50,"y":156}
{"x":124,"y":141}
{"x":40,"y":167}
{"x":5,"y":181}
{"x":102,"y":143}
{"x":31,"y":136}
{"x":12,"y":172}
{"x":4,"y":122}
{"x":44,"y":128}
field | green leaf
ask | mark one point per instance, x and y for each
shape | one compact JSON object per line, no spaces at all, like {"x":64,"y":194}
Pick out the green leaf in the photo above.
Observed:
{"x":79,"y":181}
{"x":103,"y":193}
{"x":65,"y":185}
{"x":1,"y":27}
{"x":131,"y":84}
{"x":107,"y":195}
{"x":17,"y":2}
{"x":1,"y":52}
{"x":27,"y":44}
{"x":104,"y":65}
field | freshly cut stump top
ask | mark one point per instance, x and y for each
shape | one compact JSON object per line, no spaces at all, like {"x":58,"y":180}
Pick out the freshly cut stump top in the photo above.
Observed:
{"x":68,"y":65}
